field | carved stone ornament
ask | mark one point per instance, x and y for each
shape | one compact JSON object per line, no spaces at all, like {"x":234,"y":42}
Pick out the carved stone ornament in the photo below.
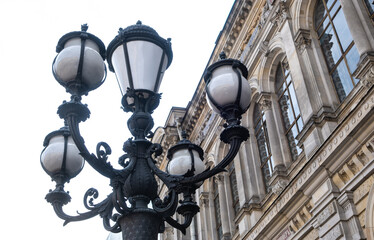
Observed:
{"x":218,"y":178}
{"x":368,"y":80}
{"x":302,"y":40}
{"x":265,"y":102}
{"x":279,"y":186}
{"x":281,"y":14}
{"x":365,"y":70}
{"x":326,"y":214}
{"x":204,"y":199}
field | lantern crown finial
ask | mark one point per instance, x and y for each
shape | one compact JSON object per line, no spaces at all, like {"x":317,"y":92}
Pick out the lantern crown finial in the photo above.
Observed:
{"x":84,"y":27}
{"x":222,"y":55}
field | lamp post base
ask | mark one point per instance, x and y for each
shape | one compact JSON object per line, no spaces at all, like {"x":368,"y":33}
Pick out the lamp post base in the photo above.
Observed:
{"x":142,"y":225}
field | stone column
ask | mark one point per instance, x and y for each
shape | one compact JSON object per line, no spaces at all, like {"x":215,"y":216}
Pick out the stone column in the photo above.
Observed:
{"x":169,"y":233}
{"x":355,"y":26}
{"x":223,"y":207}
{"x":193,"y":229}
{"x":266,"y":106}
{"x":204,"y":214}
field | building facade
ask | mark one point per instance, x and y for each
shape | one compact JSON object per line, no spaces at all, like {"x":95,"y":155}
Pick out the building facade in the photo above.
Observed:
{"x":306,"y":172}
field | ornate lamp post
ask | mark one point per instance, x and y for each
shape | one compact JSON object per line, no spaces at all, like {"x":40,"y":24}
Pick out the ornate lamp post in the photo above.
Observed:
{"x":139,"y":58}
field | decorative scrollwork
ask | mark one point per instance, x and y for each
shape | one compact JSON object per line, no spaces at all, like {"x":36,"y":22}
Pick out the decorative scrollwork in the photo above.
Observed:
{"x":168,"y":206}
{"x":103,"y":154}
{"x":104,"y":208}
{"x":91,"y":193}
{"x":156,"y":149}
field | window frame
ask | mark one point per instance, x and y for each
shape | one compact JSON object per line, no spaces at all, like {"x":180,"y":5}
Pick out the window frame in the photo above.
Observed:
{"x":269,"y":157}
{"x":286,"y":74}
{"x":342,"y":58}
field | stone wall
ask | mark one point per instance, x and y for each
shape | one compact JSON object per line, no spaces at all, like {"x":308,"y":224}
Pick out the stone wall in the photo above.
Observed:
{"x":325,"y":192}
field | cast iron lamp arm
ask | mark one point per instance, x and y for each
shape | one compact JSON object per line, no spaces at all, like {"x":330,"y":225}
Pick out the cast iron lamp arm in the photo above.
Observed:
{"x":182,"y":227}
{"x":104,"y":209}
{"x":75,"y":112}
{"x":220,"y":167}
{"x":234,"y":135}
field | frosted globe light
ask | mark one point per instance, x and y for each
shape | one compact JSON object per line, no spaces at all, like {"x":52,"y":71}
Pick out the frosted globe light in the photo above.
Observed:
{"x":185,"y":158}
{"x":65,"y":66}
{"x":79,"y":65}
{"x":224,"y":88}
{"x":61,"y":156}
{"x":181,"y":163}
{"x":227,"y":86}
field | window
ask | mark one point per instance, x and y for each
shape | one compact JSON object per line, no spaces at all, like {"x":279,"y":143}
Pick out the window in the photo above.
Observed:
{"x":234,"y":189}
{"x":289,"y":106}
{"x":337,"y":45}
{"x":217,"y":210}
{"x":370,"y":7}
{"x":261,"y":134}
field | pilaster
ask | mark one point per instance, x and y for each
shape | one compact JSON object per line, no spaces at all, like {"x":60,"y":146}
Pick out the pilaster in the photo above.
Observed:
{"x":265,"y":103}
{"x":219,"y":178}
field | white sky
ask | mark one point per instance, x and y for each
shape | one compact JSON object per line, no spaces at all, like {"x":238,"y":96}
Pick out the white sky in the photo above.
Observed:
{"x":30,"y":96}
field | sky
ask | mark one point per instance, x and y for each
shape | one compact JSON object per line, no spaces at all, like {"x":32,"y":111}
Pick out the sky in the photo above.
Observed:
{"x":29,"y":97}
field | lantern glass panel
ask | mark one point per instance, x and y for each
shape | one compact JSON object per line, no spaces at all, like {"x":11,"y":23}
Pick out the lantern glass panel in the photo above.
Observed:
{"x":144,"y":62}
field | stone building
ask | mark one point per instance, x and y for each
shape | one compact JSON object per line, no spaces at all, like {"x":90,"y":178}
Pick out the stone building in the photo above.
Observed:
{"x":307,"y":170}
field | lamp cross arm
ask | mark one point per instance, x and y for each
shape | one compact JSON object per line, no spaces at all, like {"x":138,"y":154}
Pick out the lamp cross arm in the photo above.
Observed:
{"x":220,"y":167}
{"x":99,"y":162}
{"x":104,"y":208}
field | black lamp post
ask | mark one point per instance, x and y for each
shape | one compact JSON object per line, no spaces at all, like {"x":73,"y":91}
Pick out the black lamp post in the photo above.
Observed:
{"x":139,"y":58}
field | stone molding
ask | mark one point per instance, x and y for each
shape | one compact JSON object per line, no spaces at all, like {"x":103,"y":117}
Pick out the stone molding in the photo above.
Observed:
{"x":285,"y":234}
{"x":315,"y":164}
{"x":333,"y":234}
{"x":326,"y":213}
{"x":369,"y":219}
{"x":194,"y":116}
{"x":237,"y":26}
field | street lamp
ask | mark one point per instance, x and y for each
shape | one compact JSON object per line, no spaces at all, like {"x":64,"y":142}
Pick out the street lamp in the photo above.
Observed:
{"x":139,"y":58}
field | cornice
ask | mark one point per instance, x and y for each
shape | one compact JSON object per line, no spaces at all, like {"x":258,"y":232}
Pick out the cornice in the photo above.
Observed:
{"x":233,"y":27}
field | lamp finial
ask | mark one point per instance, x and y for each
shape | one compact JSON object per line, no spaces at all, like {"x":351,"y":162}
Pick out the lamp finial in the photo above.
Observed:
{"x":222,"y":55}
{"x":84,"y":27}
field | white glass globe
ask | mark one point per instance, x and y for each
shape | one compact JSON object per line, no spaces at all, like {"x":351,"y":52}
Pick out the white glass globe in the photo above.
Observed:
{"x":53,"y":155}
{"x":223,"y":88}
{"x":181,"y":163}
{"x":66,"y":63}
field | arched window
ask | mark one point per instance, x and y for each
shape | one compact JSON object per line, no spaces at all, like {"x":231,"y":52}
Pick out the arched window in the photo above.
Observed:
{"x":262,"y":137}
{"x":337,"y":44}
{"x":289,"y":106}
{"x":370,"y":7}
{"x":234,"y":188}
{"x":217,"y":210}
